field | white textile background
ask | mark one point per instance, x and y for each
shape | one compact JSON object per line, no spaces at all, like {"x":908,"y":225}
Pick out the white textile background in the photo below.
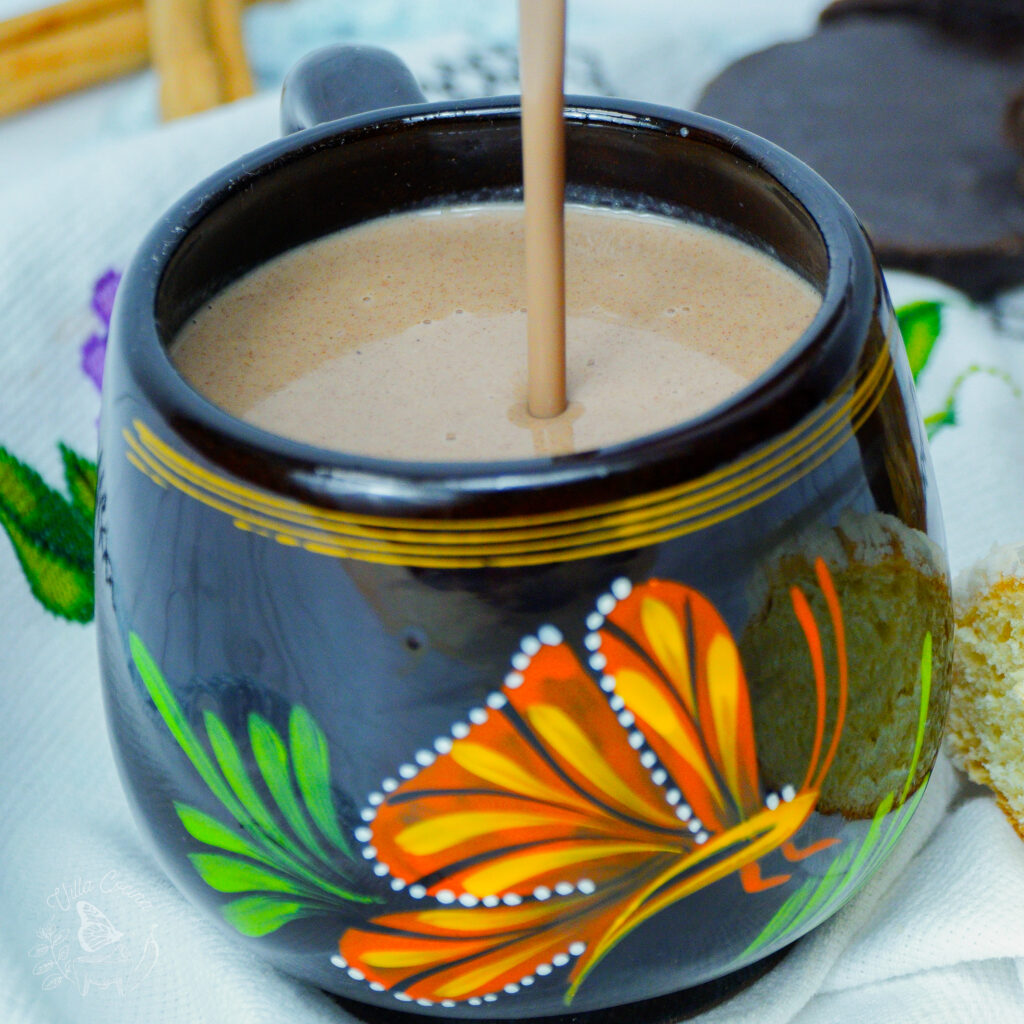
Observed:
{"x":938,"y":935}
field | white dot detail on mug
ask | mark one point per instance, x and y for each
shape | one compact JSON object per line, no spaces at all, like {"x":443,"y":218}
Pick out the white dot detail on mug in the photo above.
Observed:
{"x":550,"y":636}
{"x":529,"y":645}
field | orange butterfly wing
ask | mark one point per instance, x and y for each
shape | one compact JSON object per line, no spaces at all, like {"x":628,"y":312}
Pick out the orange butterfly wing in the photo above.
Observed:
{"x":541,"y":792}
{"x":676,"y":668}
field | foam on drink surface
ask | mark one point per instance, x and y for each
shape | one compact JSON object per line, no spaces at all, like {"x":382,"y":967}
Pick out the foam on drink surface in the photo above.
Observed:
{"x":405,"y":337}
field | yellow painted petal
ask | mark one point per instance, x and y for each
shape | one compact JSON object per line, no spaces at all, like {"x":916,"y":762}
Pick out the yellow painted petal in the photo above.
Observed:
{"x":646,"y":700}
{"x":755,"y":837}
{"x":571,"y":743}
{"x":447,"y":830}
{"x":725,"y":683}
{"x":468,"y":981}
{"x":483,"y":920}
{"x":502,"y":771}
{"x":662,"y":629}
{"x":511,"y":870}
{"x":395,"y":959}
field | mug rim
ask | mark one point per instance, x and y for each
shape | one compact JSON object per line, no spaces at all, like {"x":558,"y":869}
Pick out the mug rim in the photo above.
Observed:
{"x":327,"y":476}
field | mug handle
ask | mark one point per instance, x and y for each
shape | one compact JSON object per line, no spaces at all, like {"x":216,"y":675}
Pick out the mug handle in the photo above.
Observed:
{"x":339,"y":81}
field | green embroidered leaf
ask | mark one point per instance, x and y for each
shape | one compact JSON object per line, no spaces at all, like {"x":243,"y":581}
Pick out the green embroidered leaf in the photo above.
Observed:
{"x":272,"y":758}
{"x":229,"y":874}
{"x":231,"y":764}
{"x":256,"y":916}
{"x":937,"y":420}
{"x":52,"y":540}
{"x":81,"y":477}
{"x":920,"y":324}
{"x":59,"y":584}
{"x":312,"y":765}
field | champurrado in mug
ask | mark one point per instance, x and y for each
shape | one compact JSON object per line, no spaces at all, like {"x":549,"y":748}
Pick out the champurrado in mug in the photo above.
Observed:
{"x":405,"y":338}
{"x":494,"y":739}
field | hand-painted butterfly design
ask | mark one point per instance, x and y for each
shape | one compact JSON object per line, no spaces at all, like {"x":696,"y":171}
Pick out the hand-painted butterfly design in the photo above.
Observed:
{"x":552,"y":824}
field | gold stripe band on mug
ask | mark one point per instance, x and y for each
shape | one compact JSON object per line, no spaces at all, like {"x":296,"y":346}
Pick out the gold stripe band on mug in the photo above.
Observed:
{"x":636,"y":521}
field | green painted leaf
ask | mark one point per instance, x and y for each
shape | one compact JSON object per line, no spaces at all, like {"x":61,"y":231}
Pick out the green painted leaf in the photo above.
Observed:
{"x":175,"y":720}
{"x":920,"y":324}
{"x":229,"y":874}
{"x":231,"y":764}
{"x":51,"y":539}
{"x":312,"y":765}
{"x":256,"y":916}
{"x":212,"y":832}
{"x":285,"y":869}
{"x":272,"y":758}
{"x":922,"y":711}
{"x":81,"y":476}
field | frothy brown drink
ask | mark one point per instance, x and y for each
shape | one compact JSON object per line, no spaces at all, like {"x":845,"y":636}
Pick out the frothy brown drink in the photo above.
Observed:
{"x":404,"y":338}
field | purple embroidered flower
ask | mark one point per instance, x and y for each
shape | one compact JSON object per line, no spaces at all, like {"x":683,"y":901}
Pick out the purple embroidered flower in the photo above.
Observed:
{"x":94,"y":350}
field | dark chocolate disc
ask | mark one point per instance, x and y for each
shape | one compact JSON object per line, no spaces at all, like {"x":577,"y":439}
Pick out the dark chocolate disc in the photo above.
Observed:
{"x":906,"y":120}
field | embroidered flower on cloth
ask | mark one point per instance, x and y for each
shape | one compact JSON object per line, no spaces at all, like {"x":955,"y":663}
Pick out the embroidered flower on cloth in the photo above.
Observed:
{"x":94,"y":349}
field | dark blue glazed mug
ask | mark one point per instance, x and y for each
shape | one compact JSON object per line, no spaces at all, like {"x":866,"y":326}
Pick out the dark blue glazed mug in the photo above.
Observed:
{"x":496,"y":740}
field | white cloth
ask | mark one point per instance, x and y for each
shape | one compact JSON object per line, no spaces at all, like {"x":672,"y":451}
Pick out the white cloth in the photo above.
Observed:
{"x":936,"y":936}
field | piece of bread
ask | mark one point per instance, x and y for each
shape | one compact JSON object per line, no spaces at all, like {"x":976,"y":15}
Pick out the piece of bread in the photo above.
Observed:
{"x":893,"y":589}
{"x":986,"y":714}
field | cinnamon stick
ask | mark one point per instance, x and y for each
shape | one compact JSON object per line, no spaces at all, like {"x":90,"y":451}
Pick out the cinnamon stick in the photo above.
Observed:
{"x":200,"y":52}
{"x":182,"y":56}
{"x":197,"y":50}
{"x":71,"y":57}
{"x":32,"y":26}
{"x":225,"y":21}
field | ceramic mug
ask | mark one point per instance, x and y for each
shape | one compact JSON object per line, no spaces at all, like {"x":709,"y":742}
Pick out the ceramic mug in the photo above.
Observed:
{"x":495,"y":740}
